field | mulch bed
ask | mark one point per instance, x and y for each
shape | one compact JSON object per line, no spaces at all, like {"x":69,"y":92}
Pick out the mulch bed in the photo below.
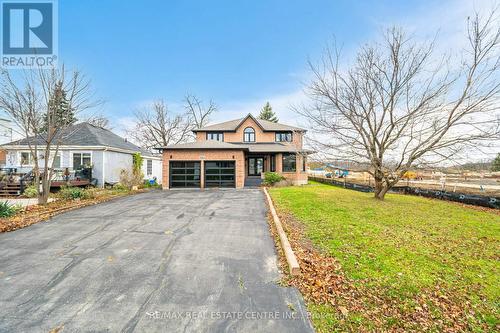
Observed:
{"x":322,"y":281}
{"x":35,"y":214}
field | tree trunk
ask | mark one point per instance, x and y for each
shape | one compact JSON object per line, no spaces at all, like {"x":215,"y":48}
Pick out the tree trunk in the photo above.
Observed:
{"x":380,"y":189}
{"x":43,"y":196}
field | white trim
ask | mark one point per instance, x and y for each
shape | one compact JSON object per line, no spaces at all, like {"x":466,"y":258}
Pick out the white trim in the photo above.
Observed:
{"x":103,"y":167}
{"x":53,"y":158}
{"x":19,"y":158}
{"x":147,"y":167}
{"x":80,"y":152}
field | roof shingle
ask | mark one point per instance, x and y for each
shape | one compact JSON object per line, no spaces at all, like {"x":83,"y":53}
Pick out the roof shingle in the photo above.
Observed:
{"x":85,"y":134}
{"x":264,"y":147}
{"x":232,"y":125}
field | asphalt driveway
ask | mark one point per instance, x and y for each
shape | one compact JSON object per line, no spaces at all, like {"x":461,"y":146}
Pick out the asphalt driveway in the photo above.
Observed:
{"x":163,"y":261}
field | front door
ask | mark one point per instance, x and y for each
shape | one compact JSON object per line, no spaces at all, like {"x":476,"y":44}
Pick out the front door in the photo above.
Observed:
{"x":255,"y":166}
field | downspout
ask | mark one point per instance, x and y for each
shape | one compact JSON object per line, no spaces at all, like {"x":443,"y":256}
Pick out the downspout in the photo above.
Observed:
{"x":103,"y":166}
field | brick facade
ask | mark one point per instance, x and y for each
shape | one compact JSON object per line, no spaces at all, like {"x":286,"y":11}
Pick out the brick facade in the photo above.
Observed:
{"x":297,"y":177}
{"x":260,"y":135}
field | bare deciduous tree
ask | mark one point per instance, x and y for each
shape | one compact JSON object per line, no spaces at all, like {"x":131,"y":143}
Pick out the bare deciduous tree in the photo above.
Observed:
{"x":155,"y":126}
{"x":98,"y":120}
{"x":397,"y":106}
{"x":35,"y":101}
{"x":197,"y":113}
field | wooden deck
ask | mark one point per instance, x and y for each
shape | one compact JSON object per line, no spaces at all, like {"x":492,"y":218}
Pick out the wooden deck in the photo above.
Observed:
{"x":74,"y":182}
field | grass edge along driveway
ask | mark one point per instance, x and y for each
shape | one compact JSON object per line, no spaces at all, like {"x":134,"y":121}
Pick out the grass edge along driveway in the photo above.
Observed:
{"x":419,"y":264}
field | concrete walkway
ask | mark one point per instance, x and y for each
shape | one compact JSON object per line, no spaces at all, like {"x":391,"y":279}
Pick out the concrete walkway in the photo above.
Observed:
{"x":24,"y":201}
{"x":190,"y":261}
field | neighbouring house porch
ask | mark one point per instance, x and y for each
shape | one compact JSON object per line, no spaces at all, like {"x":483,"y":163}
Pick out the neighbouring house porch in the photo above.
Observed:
{"x":14,"y":180}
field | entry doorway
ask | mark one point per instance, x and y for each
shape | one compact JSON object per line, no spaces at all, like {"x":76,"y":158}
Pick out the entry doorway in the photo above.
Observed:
{"x":255,"y":166}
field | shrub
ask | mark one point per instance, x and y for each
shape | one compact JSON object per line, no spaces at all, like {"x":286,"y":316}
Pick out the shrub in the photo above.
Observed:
{"x":72,"y":193}
{"x":30,"y":192}
{"x":90,"y":192}
{"x":120,"y":187}
{"x":8,"y":210}
{"x":270,"y":178}
{"x":130,"y":179}
{"x":137,"y":162}
{"x":148,"y":184}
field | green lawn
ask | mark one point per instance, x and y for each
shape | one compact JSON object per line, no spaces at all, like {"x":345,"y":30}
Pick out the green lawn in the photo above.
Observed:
{"x":403,"y":247}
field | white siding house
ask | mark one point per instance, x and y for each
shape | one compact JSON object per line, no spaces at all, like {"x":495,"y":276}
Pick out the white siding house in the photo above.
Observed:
{"x":106,"y":152}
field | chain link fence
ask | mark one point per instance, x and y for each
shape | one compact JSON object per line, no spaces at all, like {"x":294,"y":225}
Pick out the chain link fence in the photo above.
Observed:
{"x":471,"y":199}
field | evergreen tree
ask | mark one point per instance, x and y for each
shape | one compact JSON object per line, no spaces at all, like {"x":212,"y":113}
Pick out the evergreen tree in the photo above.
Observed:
{"x":267,"y":113}
{"x":60,"y":112}
{"x":496,"y":163}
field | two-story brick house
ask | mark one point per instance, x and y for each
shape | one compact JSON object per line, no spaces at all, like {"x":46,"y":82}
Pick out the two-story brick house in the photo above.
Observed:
{"x":236,"y":153}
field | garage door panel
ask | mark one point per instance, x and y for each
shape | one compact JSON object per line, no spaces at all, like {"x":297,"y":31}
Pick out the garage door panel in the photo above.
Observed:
{"x":220,"y":174}
{"x":185,"y":174}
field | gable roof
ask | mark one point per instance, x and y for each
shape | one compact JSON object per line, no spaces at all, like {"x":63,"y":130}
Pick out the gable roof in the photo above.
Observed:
{"x":233,"y":125}
{"x":85,"y":134}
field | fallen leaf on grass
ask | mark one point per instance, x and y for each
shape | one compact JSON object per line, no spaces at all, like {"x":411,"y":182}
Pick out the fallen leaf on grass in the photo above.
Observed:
{"x":323,"y":282}
{"x":344,"y":311}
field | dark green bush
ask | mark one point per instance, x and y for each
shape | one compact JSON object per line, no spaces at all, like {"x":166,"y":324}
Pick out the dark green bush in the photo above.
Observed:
{"x":271,"y":178}
{"x":8,"y":210}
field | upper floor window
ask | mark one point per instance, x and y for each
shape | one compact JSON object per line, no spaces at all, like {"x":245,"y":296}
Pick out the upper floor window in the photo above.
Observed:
{"x":249,"y":135}
{"x":215,"y":136}
{"x":283,"y":136}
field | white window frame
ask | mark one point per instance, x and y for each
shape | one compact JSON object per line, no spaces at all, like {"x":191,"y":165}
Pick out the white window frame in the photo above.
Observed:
{"x":81,"y":158}
{"x":249,"y":136}
{"x":31,"y":160}
{"x":149,"y":167}
{"x":52,"y":157}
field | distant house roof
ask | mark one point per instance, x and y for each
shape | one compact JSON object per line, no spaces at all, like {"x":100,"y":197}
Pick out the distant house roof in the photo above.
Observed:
{"x":265,"y":147}
{"x":85,"y":134}
{"x":232,"y":126}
